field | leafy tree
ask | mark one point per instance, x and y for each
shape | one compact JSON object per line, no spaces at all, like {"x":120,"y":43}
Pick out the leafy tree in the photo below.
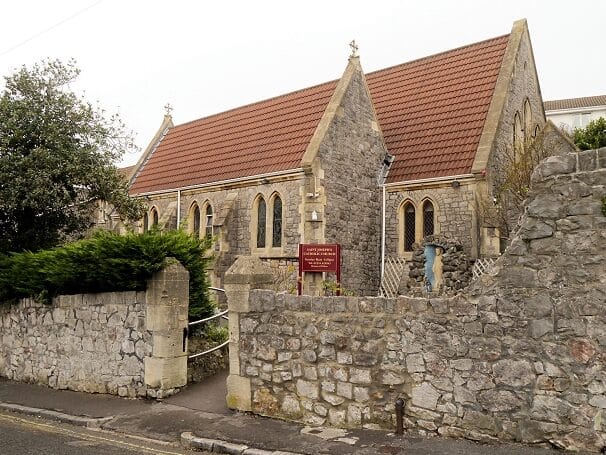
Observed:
{"x":56,"y":155}
{"x":593,"y":136}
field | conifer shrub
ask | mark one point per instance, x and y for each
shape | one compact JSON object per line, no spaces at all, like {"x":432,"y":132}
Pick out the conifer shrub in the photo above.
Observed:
{"x":107,"y":262}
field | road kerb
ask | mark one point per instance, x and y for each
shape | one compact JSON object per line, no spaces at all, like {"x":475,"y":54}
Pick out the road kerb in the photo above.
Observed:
{"x":89,"y":422}
{"x":189,"y":440}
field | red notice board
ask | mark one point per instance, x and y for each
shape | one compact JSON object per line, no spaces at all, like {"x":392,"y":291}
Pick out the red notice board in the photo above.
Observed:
{"x":319,"y":258}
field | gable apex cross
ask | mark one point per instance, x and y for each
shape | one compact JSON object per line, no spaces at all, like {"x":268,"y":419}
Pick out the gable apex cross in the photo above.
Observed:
{"x":354,"y":48}
{"x":168,"y":108}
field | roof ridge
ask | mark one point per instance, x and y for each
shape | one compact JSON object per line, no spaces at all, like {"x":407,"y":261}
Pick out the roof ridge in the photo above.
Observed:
{"x":283,"y":95}
{"x":439,"y":54}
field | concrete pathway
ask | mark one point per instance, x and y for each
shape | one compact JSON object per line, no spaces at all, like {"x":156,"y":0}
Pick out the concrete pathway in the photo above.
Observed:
{"x":207,"y":396}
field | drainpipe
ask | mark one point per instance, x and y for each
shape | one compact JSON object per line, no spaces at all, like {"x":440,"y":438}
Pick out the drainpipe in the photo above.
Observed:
{"x":178,"y":208}
{"x":383,"y":235}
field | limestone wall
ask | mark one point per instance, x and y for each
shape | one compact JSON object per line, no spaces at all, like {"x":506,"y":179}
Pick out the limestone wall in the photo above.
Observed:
{"x":520,"y":357}
{"x":121,"y":343}
{"x":351,"y":155}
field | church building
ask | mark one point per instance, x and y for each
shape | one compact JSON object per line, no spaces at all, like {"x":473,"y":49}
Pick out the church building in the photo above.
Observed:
{"x":375,"y":162}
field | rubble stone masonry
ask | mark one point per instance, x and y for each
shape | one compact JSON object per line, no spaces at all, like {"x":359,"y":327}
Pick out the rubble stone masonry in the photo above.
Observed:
{"x":122,"y":343}
{"x":520,"y":356}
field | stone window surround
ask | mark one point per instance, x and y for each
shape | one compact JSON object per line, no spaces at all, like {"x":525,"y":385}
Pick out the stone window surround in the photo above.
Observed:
{"x":203,"y":217}
{"x":518,"y":134}
{"x":268,"y":250}
{"x":205,"y":226}
{"x":522,"y":127}
{"x":151,"y":220}
{"x":418,"y":206}
{"x":527,"y":120}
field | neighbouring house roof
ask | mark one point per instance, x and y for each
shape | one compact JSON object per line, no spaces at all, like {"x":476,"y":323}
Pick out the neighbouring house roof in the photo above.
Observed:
{"x":575,"y":103}
{"x":431,"y":112}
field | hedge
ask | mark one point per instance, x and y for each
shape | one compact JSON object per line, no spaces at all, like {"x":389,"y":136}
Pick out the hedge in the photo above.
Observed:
{"x":107,"y":262}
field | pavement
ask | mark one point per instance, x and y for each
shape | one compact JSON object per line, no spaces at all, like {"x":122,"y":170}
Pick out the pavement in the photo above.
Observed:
{"x":199,"y":419}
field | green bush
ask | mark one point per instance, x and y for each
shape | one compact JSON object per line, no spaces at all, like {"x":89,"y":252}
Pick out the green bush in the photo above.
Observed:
{"x":107,"y":262}
{"x":593,"y":136}
{"x":215,"y":333}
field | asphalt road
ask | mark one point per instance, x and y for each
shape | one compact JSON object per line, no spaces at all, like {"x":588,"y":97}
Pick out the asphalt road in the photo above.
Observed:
{"x":21,"y":435}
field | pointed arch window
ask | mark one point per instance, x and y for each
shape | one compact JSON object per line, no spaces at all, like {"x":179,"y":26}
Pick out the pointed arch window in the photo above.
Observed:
{"x":145,"y":222}
{"x":527,"y":120}
{"x":276,"y":238}
{"x":153,"y":214}
{"x":409,"y":226}
{"x":194,"y":223}
{"x":208,"y":226}
{"x":428,"y":219}
{"x":261,"y":222}
{"x":517,"y":135}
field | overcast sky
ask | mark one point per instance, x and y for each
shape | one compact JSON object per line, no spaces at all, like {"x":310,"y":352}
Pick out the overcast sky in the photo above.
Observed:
{"x":205,"y":57}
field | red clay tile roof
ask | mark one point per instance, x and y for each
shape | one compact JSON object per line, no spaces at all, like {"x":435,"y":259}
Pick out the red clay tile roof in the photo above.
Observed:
{"x":260,"y":138}
{"x":574,"y":103}
{"x":431,"y":111}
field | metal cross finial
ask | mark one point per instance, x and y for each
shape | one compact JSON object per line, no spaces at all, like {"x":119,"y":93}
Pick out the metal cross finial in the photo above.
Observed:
{"x":354,"y":48}
{"x":168,"y":108}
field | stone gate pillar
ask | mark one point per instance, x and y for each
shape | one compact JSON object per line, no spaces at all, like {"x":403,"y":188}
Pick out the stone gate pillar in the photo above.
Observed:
{"x":246,"y":273}
{"x":167,"y":298}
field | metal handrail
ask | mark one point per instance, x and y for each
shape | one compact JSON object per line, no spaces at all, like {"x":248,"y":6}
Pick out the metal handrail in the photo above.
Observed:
{"x":209,"y":351}
{"x":218,"y":315}
{"x":210,"y":318}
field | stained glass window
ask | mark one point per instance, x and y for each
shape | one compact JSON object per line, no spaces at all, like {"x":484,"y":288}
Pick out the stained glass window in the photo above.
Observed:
{"x":409,"y":227}
{"x":277,"y":223}
{"x":196,"y":220}
{"x":209,"y":220}
{"x":428,"y":224}
{"x":261,"y":223}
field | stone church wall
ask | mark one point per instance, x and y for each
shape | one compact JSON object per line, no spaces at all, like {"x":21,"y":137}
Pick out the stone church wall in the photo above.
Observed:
{"x":232,"y":214}
{"x":519,"y":357}
{"x":454,"y":214}
{"x":121,"y":343}
{"x":524,"y":85}
{"x":351,"y":156}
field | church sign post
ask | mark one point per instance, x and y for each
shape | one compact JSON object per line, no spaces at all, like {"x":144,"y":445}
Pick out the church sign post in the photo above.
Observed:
{"x":319,"y":258}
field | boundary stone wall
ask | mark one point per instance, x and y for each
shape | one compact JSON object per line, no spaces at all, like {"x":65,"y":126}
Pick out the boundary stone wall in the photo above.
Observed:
{"x":121,"y":343}
{"x":520,"y":356}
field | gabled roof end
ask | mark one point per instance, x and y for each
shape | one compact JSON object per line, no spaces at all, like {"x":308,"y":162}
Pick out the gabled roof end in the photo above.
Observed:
{"x":167,"y":123}
{"x":353,"y":66}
